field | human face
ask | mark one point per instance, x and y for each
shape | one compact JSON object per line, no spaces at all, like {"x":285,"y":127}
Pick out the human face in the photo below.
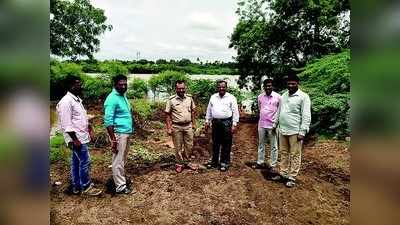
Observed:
{"x":293,"y":86}
{"x":268,"y":88}
{"x":76,"y":88}
{"x":121,"y":86}
{"x":180,"y":89}
{"x":222,"y":88}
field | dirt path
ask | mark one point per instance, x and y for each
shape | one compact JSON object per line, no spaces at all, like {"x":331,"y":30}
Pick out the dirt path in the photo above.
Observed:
{"x":240,"y":196}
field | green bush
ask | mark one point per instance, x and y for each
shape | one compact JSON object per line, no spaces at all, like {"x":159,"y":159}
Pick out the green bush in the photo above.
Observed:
{"x":57,"y":149}
{"x":165,"y":81}
{"x":202,"y":90}
{"x":113,"y":68}
{"x":96,"y":88}
{"x":138,"y":88}
{"x":58,"y":72}
{"x":327,"y":81}
{"x":143,"y":108}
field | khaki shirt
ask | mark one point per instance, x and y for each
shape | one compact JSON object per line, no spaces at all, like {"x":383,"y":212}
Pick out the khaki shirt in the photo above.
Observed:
{"x":180,"y":108}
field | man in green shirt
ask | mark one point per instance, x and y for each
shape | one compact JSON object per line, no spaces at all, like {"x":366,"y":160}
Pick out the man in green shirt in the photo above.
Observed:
{"x":294,"y":121}
{"x":119,"y":124}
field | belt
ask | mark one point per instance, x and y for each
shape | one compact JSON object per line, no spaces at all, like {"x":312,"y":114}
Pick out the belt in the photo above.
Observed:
{"x":181,"y":123}
{"x":224,"y":119}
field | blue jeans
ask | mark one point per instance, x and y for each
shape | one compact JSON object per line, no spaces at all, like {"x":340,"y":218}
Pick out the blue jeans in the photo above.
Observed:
{"x":262,"y":132}
{"x":80,"y":167}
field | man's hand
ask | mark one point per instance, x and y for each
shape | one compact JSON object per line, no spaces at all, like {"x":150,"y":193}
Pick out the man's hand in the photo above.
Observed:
{"x":194,"y":125}
{"x":114,"y":145}
{"x":169,"y":131}
{"x":233,"y":129}
{"x":91,"y":134}
{"x":77,"y":144}
{"x":206,"y":126}
{"x":300,"y":137}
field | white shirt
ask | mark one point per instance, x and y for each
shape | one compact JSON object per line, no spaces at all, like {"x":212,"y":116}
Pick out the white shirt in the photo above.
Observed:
{"x":295,"y":113}
{"x":72,"y":117}
{"x":222,"y":108}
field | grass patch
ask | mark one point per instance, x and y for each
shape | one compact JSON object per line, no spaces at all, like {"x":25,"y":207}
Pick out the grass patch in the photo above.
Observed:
{"x":58,"y":150}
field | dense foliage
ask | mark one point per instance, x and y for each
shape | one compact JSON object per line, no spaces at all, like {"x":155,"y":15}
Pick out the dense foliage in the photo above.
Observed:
{"x":137,"y":88}
{"x":273,"y":37}
{"x":149,"y":67}
{"x":75,"y":27}
{"x":327,"y":81}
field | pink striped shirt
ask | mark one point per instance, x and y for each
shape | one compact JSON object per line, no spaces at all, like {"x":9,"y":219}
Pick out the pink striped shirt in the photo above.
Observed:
{"x":268,"y":106}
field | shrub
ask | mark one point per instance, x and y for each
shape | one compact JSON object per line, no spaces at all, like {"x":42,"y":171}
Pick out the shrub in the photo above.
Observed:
{"x":143,"y":108}
{"x":327,"y":81}
{"x":113,"y":68}
{"x":57,"y":149}
{"x":96,"y":88}
{"x":165,"y":81}
{"x":138,"y":88}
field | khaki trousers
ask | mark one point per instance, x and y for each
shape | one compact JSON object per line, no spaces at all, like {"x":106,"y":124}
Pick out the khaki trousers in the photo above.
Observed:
{"x":182,"y":137}
{"x":290,"y":152}
{"x":119,"y":160}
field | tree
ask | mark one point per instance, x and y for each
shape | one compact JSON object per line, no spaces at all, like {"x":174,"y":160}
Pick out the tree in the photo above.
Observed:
{"x":273,"y":37}
{"x":75,"y":27}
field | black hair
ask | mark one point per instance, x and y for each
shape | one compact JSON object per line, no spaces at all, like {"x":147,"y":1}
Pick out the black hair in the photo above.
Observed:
{"x":293,"y":77}
{"x":118,"y":78}
{"x":268,"y":80}
{"x":70,"y":81}
{"x":179,"y":82}
{"x":222,"y":81}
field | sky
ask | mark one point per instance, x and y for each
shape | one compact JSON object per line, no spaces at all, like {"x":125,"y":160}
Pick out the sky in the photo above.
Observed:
{"x":168,"y":29}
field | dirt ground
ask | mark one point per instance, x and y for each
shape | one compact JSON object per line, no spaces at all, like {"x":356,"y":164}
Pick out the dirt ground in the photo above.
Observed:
{"x":241,"y":195}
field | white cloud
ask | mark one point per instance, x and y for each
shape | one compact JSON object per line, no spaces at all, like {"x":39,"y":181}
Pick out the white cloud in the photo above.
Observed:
{"x":203,"y":21}
{"x":169,"y":29}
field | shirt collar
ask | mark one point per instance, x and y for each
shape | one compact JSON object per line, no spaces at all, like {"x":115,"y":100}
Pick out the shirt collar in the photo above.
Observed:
{"x":76,"y":98}
{"x":117,"y":93}
{"x":184,"y":96}
{"x":296,"y":93}
{"x":265,"y":94}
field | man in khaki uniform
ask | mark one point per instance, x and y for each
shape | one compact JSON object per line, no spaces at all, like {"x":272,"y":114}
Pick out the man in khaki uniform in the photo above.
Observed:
{"x":181,"y":120}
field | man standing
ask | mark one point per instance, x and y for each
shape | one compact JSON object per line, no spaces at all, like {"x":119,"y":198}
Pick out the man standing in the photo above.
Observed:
{"x":181,"y":120}
{"x":119,"y":124}
{"x":223,"y":113}
{"x":74,"y":123}
{"x":268,"y":104}
{"x":294,"y":122}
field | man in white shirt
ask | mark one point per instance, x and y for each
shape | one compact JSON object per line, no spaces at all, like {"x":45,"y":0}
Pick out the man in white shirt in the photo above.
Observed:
{"x":73,"y":121}
{"x":294,"y":122}
{"x":223,"y":113}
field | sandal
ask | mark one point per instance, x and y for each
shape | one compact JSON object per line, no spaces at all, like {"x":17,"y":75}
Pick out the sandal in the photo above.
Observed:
{"x":178,"y":168}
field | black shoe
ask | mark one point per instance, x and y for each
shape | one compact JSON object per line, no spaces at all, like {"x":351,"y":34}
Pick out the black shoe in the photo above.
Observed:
{"x":259,"y":166}
{"x":125,"y":191}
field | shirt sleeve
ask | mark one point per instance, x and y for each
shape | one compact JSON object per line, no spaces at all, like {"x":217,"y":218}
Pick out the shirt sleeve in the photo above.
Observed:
{"x":235,"y":111}
{"x":168,"y":106}
{"x":276,"y":115}
{"x":65,"y":114}
{"x":208,"y":113}
{"x":109,"y":112}
{"x":193,"y":106}
{"x":305,"y":115}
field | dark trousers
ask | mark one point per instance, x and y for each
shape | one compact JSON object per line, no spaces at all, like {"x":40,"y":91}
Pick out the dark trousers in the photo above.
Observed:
{"x":222,"y":139}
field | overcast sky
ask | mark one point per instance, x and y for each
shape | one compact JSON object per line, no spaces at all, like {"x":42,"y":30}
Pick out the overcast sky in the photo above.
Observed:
{"x":168,"y":29}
